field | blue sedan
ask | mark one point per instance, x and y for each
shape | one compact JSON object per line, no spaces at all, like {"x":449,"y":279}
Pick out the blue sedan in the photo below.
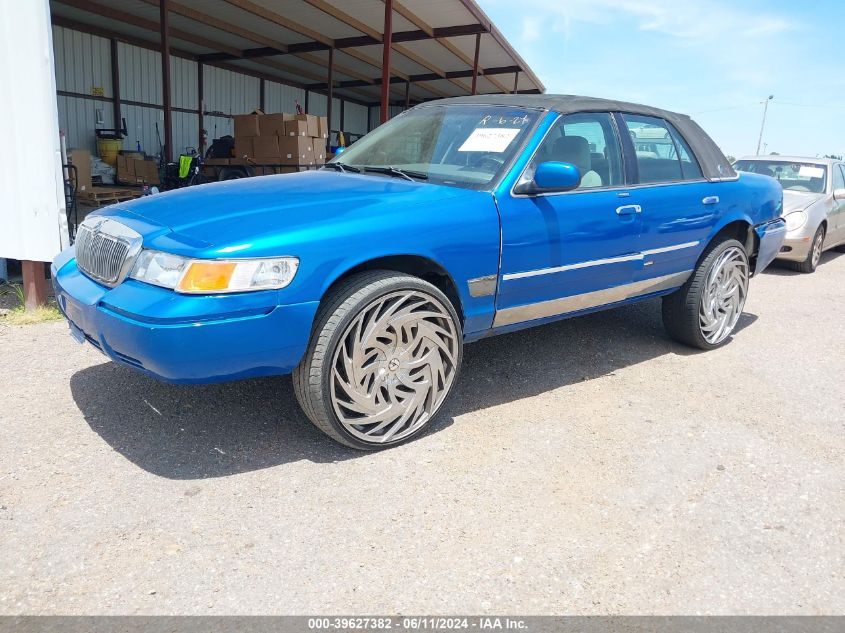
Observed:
{"x":457,"y":220}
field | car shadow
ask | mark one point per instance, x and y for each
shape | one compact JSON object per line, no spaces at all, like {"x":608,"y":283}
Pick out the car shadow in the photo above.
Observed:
{"x":205,"y":431}
{"x":783,"y":268}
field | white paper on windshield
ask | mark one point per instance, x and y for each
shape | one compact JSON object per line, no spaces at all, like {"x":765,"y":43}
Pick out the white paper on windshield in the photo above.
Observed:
{"x":493,"y":139}
{"x":805,"y":171}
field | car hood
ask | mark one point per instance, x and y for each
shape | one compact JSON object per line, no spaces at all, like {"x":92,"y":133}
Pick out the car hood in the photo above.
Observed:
{"x":235,"y":215}
{"x":798,"y":200}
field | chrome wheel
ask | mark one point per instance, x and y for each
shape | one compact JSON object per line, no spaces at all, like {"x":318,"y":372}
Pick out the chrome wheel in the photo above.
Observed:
{"x":394,"y":366}
{"x":817,"y":248}
{"x":724,"y":295}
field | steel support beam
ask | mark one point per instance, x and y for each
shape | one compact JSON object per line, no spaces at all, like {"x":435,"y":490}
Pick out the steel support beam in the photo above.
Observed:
{"x":115,"y":83}
{"x":164,"y":23}
{"x":330,"y":93}
{"x":475,"y":63}
{"x":385,"y":59}
{"x":200,"y":108}
{"x":34,"y":284}
{"x":261,"y":94}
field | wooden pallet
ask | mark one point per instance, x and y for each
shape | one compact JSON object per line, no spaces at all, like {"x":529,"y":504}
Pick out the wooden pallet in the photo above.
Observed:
{"x":99,"y":196}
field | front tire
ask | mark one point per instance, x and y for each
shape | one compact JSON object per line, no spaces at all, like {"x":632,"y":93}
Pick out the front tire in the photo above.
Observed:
{"x":810,"y":264}
{"x":704,"y":311}
{"x":383,"y":359}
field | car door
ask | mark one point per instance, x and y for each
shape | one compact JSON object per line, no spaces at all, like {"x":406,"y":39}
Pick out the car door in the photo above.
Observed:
{"x":569,"y":251}
{"x":679,"y":206}
{"x":837,"y":217}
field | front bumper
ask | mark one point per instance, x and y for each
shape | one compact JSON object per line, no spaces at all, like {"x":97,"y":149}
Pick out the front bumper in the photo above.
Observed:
{"x":795,"y":249}
{"x":185,"y":338}
{"x":770,"y":236}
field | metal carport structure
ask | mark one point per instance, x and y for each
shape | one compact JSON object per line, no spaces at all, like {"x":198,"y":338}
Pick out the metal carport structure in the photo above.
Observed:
{"x":385,"y":55}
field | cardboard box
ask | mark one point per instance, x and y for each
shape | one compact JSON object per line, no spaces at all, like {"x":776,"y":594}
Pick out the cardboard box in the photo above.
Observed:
{"x":212,"y":162}
{"x":264,"y":147}
{"x":294,"y":151}
{"x":134,"y":171}
{"x":319,"y":154}
{"x":296,"y":127}
{"x":243,"y":146}
{"x":290,"y":169}
{"x":125,"y":168}
{"x":246,"y":125}
{"x":81,"y":159}
{"x":272,"y":125}
{"x":323,"y":127}
{"x":146,"y":171}
{"x":312,"y":123}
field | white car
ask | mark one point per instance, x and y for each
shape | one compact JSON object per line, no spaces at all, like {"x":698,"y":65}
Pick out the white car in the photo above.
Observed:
{"x":813,"y":204}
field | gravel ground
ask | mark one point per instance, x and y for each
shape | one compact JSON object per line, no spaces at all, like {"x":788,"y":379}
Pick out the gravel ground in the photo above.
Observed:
{"x":586,"y":467}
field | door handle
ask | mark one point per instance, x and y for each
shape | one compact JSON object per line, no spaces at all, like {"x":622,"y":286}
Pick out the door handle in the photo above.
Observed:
{"x":628,"y":209}
{"x":710,"y":200}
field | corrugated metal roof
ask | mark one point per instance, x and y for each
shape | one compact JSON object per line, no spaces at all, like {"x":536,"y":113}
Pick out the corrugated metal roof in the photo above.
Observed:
{"x":288,"y":40}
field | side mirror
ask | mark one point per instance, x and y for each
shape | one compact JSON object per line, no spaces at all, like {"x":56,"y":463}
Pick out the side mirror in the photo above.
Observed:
{"x":839,"y":194}
{"x":552,"y":176}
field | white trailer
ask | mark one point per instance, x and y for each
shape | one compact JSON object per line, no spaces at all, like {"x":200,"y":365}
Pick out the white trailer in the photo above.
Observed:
{"x":33,"y":222}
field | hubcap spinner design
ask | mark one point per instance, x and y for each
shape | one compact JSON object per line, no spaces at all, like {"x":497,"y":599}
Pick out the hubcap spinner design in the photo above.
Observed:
{"x":394,"y":366}
{"x":725,"y":290}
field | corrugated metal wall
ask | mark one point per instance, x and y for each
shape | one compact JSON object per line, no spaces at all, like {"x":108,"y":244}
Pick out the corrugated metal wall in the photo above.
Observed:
{"x":281,"y":98}
{"x":83,"y":62}
{"x":375,"y":112}
{"x":317,"y":104}
{"x":229,"y":92}
{"x":140,"y":73}
{"x":183,"y":83}
{"x":355,"y":118}
{"x":83,"y":67}
{"x":78,"y":118}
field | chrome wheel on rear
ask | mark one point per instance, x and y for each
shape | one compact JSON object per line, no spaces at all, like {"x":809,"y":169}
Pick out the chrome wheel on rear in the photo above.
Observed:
{"x":725,"y":290}
{"x":394,"y":366}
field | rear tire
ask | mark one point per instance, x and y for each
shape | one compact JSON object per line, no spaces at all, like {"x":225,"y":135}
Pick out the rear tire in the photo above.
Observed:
{"x":810,"y":264}
{"x":704,"y":311}
{"x":383,"y":358}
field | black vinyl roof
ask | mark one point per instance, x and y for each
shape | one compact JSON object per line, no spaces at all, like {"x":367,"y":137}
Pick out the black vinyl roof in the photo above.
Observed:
{"x":713,"y":163}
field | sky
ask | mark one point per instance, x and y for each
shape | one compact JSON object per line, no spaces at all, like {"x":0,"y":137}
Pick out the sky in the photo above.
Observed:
{"x":712,"y":59}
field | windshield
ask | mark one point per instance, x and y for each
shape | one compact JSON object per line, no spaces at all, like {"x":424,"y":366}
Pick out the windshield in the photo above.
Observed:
{"x":459,"y":145}
{"x":806,"y":177}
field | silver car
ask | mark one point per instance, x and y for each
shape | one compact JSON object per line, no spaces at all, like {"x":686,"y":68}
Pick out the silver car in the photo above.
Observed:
{"x":813,"y":204}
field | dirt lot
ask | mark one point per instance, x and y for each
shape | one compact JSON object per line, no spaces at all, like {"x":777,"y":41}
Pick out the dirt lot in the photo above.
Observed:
{"x":590,"y":467}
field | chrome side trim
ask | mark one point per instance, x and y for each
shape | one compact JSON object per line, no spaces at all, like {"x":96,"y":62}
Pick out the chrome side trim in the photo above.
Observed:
{"x":560,"y":269}
{"x":599,"y":262}
{"x":482,"y":286}
{"x":554,"y":307}
{"x":669,"y":249}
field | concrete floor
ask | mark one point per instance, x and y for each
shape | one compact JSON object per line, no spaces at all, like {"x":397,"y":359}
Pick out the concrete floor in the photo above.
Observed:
{"x":587,"y":467}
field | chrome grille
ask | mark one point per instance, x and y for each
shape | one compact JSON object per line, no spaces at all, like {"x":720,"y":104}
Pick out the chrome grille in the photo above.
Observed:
{"x":105,"y":249}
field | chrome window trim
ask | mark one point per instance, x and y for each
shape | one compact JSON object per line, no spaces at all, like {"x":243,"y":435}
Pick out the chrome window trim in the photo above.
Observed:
{"x":599,"y":262}
{"x":587,"y":300}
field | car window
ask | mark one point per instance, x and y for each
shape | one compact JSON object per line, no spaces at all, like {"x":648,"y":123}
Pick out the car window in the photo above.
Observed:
{"x":662,"y":155}
{"x":589,"y":142}
{"x":689,"y":165}
{"x":838,"y":178}
{"x":804,"y":177}
{"x":457,"y":145}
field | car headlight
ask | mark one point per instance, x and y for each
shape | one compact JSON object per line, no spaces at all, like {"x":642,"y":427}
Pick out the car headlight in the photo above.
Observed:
{"x":206,"y":276}
{"x":795,"y":220}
